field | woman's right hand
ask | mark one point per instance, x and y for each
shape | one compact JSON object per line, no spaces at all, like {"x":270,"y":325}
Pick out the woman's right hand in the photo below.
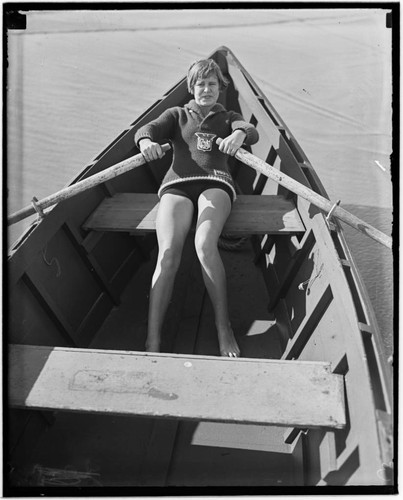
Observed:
{"x":150,"y":150}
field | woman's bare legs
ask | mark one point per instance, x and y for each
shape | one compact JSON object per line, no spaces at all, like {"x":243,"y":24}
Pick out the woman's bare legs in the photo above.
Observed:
{"x":173,"y":222}
{"x":214,"y":208}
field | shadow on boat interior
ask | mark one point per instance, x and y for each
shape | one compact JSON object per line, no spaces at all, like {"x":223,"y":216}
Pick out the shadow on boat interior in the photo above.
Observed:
{"x":177,"y":452}
{"x":189,"y":325}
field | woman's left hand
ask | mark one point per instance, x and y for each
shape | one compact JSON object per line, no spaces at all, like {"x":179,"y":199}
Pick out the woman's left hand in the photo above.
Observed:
{"x":232,"y":143}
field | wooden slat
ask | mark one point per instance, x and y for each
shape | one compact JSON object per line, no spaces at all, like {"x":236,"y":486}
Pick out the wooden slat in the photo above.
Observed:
{"x":155,"y":468}
{"x":293,"y":267}
{"x":90,"y":261}
{"x":255,"y":105}
{"x":52,"y":308}
{"x":306,"y":328}
{"x":285,"y":393}
{"x":251,"y":214}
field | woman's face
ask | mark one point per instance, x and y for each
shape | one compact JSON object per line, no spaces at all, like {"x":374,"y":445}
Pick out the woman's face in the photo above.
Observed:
{"x":206,"y":91}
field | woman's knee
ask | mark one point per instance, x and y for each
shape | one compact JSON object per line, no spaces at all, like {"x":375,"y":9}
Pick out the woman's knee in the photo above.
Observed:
{"x":169,"y":259}
{"x":206,"y":246}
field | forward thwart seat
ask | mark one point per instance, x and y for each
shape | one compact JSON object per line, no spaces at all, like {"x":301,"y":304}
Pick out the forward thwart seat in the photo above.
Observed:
{"x":251,"y":214}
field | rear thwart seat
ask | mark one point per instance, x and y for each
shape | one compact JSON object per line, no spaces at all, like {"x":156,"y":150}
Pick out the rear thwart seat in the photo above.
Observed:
{"x":203,"y":388}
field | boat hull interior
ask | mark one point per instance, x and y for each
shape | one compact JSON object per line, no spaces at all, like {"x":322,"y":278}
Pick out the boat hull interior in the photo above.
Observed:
{"x":292,"y":297}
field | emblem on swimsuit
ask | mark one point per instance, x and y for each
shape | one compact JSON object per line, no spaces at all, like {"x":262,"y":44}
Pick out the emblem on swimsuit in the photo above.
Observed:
{"x":205,"y":141}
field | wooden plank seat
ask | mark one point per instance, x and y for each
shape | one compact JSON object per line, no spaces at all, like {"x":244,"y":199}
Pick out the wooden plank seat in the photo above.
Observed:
{"x":251,"y":214}
{"x":282,"y":393}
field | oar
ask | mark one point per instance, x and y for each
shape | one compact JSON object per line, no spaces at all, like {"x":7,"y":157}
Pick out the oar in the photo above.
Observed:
{"x":315,"y":198}
{"x":107,"y":174}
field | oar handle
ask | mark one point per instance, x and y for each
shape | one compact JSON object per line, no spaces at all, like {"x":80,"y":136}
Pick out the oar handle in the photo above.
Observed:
{"x":313,"y":197}
{"x":107,"y":174}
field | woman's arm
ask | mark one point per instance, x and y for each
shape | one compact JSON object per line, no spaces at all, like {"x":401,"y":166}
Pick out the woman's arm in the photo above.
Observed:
{"x":238,"y":123}
{"x":159,"y":129}
{"x":233,"y":142}
{"x":149,"y":149}
{"x":242,"y":133}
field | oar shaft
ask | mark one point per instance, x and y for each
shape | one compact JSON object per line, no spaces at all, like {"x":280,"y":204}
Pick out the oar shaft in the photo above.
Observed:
{"x":315,"y":198}
{"x":81,"y":186}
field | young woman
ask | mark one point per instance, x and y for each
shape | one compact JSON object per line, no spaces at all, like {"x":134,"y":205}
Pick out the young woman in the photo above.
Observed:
{"x":198,"y":181}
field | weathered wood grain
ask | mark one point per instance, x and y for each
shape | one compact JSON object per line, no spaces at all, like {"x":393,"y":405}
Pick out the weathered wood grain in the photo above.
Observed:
{"x":251,"y":214}
{"x":284,"y":393}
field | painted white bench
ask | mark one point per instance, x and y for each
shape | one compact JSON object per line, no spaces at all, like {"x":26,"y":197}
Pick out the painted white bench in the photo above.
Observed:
{"x":282,"y":393}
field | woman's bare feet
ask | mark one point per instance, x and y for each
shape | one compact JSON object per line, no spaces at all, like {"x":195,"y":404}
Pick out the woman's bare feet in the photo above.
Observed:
{"x":152,"y":345}
{"x":227,"y":342}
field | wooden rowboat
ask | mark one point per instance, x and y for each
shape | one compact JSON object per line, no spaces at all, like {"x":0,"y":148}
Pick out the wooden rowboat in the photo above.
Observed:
{"x":308,"y":404}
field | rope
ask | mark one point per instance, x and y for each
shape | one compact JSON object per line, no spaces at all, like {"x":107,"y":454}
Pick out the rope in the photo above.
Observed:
{"x":309,"y":282}
{"x":64,"y":477}
{"x":52,"y":260}
{"x":236,"y":244}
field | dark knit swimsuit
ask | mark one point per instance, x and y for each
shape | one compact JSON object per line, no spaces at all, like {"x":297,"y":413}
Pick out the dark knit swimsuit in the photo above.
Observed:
{"x":193,"y":189}
{"x":196,"y":157}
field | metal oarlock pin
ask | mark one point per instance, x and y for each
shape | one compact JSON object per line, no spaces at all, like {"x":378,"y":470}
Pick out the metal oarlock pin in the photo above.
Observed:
{"x":329,"y":215}
{"x":37,"y":208}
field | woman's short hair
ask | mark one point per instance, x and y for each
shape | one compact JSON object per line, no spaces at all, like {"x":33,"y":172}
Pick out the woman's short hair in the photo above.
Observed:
{"x":203,"y":69}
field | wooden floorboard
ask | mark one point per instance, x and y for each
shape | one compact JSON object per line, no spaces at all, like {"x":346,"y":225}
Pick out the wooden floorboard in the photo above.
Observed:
{"x":218,"y":454}
{"x":180,"y":334}
{"x":222,"y":460}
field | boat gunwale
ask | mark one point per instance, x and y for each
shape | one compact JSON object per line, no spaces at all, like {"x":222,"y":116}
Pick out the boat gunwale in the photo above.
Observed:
{"x":339,"y":233}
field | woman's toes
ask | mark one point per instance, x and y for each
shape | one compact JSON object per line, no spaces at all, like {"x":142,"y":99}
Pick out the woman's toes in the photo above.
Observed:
{"x":233,"y":353}
{"x":152,"y":346}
